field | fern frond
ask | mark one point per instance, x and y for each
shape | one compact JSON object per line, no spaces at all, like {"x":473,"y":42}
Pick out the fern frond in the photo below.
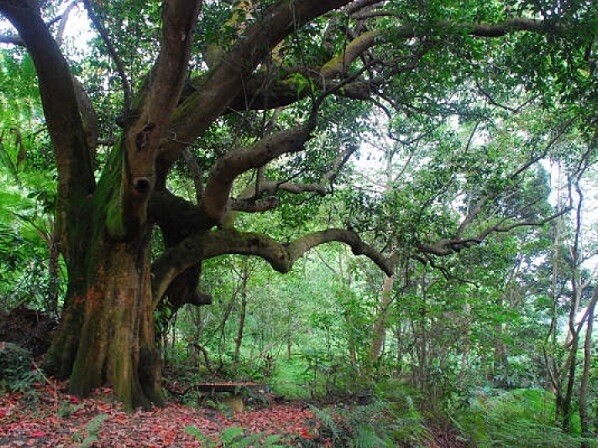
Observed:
{"x":230,"y":435}
{"x":366,"y":437}
{"x":326,"y":421}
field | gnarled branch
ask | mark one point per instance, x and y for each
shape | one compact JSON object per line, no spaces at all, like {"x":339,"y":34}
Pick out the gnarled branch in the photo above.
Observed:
{"x":226,"y":81}
{"x":280,"y":256}
{"x":234,"y":163}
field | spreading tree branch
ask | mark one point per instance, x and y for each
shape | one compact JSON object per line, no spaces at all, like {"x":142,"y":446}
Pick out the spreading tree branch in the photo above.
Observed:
{"x":234,"y":163}
{"x":367,"y":40}
{"x":226,"y":81}
{"x":280,"y":256}
{"x":449,"y":246}
{"x":232,"y":84}
{"x":270,"y":188}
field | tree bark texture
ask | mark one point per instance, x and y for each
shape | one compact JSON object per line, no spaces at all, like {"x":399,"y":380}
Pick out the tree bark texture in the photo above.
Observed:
{"x":107,"y":332}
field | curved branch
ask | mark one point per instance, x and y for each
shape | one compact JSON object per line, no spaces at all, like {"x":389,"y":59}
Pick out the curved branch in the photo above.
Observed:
{"x":234,"y":163}
{"x":367,"y":40}
{"x":321,"y":188}
{"x":226,"y":81}
{"x":252,"y":199}
{"x":280,"y":256}
{"x":349,"y":237}
{"x":352,"y":51}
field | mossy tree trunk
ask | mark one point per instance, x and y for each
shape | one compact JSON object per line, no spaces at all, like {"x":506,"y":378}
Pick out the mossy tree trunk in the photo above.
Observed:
{"x":107,"y":336}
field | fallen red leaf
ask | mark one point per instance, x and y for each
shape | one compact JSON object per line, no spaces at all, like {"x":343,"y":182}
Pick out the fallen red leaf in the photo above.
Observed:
{"x":37,"y":434}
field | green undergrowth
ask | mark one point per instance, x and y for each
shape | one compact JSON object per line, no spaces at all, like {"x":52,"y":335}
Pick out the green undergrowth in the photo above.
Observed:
{"x":314,"y":374}
{"x":386,"y":411}
{"x":289,"y":379}
{"x":389,"y":418}
{"x":234,"y":437}
{"x":522,"y":418}
{"x":378,"y":424}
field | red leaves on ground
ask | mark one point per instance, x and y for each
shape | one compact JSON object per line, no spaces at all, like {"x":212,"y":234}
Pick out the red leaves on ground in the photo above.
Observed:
{"x":281,"y":419}
{"x":50,"y":418}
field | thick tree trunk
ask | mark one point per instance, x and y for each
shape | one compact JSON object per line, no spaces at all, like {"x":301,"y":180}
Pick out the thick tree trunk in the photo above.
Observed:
{"x":107,"y":332}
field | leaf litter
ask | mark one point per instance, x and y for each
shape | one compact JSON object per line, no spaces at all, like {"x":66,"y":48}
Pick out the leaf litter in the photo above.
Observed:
{"x":49,"y":417}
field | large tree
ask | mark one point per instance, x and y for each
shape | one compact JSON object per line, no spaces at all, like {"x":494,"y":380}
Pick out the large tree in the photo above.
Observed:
{"x":277,"y":72}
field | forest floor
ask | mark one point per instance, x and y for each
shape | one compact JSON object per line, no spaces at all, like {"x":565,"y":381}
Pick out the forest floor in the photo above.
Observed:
{"x":46,"y":416}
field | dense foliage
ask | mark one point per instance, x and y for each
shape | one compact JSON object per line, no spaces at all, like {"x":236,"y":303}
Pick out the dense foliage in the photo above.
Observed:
{"x":451,"y":143}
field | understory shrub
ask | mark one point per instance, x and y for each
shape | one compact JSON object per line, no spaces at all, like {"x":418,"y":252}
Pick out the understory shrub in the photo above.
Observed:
{"x":522,"y":418}
{"x":15,"y":366}
{"x":378,"y":424}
